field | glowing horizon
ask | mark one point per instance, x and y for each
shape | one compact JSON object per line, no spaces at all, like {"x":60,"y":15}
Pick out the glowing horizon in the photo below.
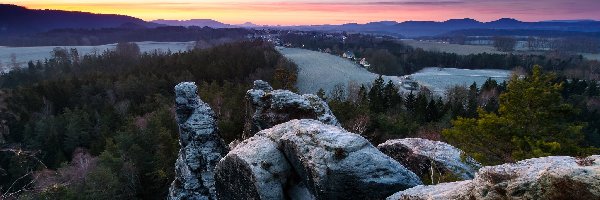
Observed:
{"x":307,"y":12}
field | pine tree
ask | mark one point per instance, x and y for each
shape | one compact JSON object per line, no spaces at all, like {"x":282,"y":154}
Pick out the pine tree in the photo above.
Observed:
{"x":472,"y":101}
{"x":409,"y":103}
{"x":592,"y":89}
{"x":433,"y":112}
{"x":376,"y":96}
{"x":390,"y":95}
{"x":532,"y":121}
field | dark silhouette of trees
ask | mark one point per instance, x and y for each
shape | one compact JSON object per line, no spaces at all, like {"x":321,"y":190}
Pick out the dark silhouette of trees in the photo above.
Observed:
{"x":503,"y":43}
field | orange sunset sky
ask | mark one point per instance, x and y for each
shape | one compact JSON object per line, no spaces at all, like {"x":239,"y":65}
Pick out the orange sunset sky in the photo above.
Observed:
{"x":302,"y":12}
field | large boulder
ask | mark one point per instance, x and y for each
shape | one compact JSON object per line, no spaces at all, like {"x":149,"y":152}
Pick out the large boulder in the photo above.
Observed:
{"x":268,"y":107}
{"x":555,"y":177}
{"x":442,"y":191}
{"x":336,"y":164}
{"x":201,"y":146}
{"x":426,"y":158}
{"x":255,"y":169}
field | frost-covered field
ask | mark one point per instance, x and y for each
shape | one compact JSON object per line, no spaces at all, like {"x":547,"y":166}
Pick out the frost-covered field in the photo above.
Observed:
{"x":25,"y":54}
{"x":595,"y":56}
{"x":439,"y":79}
{"x":320,"y":70}
{"x":452,"y":48}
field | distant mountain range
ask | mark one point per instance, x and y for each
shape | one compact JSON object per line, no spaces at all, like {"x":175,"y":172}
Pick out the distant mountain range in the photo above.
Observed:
{"x":431,"y":28}
{"x":202,"y":23}
{"x":15,"y":20}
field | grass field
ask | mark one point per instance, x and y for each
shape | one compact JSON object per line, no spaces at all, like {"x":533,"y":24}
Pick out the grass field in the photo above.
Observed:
{"x":590,"y":56}
{"x":452,"y":48}
{"x":25,"y":54}
{"x":321,"y":70}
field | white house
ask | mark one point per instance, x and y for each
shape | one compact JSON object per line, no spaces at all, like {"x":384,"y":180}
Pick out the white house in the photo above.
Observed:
{"x":348,"y":54}
{"x":364,"y":63}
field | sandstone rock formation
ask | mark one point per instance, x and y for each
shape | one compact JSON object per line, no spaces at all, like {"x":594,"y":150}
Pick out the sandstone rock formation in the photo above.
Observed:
{"x":268,"y":107}
{"x":425,"y":157}
{"x":296,"y":158}
{"x":555,"y":177}
{"x":330,"y":162}
{"x":255,"y":169}
{"x":201,"y":146}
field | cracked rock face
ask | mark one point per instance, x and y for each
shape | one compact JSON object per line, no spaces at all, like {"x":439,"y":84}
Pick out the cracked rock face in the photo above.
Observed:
{"x":554,"y":177}
{"x":422,"y":155}
{"x":255,"y":169}
{"x":201,"y":146}
{"x":321,"y":161}
{"x":270,"y":107}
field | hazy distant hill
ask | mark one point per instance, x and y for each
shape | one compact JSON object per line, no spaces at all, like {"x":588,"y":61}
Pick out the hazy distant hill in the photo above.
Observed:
{"x":203,"y":22}
{"x":432,"y":28}
{"x":15,"y":20}
{"x":193,"y":22}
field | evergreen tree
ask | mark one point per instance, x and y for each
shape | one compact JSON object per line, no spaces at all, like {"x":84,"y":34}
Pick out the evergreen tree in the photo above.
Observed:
{"x":472,"y":101}
{"x":532,"y":121}
{"x":362,"y":95}
{"x":433,"y":112}
{"x":592,"y":89}
{"x":410,"y":102}
{"x":391,"y":96}
{"x":376,"y":96}
{"x":421,"y":107}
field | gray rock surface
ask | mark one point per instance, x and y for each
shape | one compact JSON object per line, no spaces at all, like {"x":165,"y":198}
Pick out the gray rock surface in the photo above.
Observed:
{"x":554,"y":177}
{"x":255,"y":169}
{"x":268,"y":107}
{"x":423,"y":156}
{"x":336,"y":164}
{"x":201,"y":146}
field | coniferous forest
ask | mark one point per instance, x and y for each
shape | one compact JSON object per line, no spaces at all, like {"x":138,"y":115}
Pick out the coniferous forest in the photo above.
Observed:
{"x":102,"y":126}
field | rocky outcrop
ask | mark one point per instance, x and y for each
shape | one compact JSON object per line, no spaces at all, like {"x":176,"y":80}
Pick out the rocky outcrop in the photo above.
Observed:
{"x":255,"y":169}
{"x":555,"y":177}
{"x":201,"y":146}
{"x":426,"y":157}
{"x":324,"y":160}
{"x":336,"y":164}
{"x":268,"y":107}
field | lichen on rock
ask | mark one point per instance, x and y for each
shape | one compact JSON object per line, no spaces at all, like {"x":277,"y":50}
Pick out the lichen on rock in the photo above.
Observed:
{"x":425,"y":157}
{"x":554,"y":177}
{"x":201,"y":146}
{"x":255,"y":169}
{"x":329,"y":162}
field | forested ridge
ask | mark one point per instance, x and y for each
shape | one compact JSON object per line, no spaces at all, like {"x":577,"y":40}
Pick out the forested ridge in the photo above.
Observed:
{"x":101,"y":36}
{"x":102,"y":126}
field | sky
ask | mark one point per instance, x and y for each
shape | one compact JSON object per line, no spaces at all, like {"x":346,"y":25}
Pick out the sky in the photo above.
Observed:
{"x":304,"y":12}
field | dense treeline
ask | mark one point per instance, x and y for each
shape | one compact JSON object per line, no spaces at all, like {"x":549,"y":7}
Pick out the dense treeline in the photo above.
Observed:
{"x":391,"y":57}
{"x":102,"y":126}
{"x":92,"y":37}
{"x":530,"y":116}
